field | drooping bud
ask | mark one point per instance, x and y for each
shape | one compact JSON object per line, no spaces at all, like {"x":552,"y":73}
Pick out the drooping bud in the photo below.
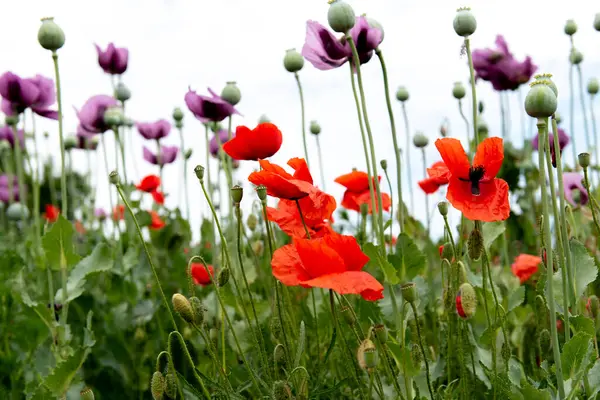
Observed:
{"x":199,"y":170}
{"x":365,"y":354}
{"x":443,"y":208}
{"x":506,"y":352}
{"x":570,"y":27}
{"x":458,"y":91}
{"x":122,"y":92}
{"x":315,"y":128}
{"x":593,"y":86}
{"x":293,"y":61}
{"x":420,"y":140}
{"x":584,"y":159}
{"x":157,"y":385}
{"x":547,"y":80}
{"x":188,"y":153}
{"x":383,"y":164}
{"x":416,"y":355}
{"x":402,"y":94}
{"x":182,"y":306}
{"x":597,"y":22}
{"x":447,"y":252}
{"x":223,"y":276}
{"x":381,"y":333}
{"x":466,"y":301}
{"x":231,"y":93}
{"x":464,"y":22}
{"x":87,"y":394}
{"x":251,"y":222}
{"x":540,"y":101}
{"x":113,"y":177}
{"x":171,"y":386}
{"x":237,"y":193}
{"x":282,"y":391}
{"x":340,"y":16}
{"x":177,"y":114}
{"x":198,"y":310}
{"x":575,"y":57}
{"x":70,"y":142}
{"x":480,"y":107}
{"x":409,"y":292}
{"x":475,"y":244}
{"x":545,"y":341}
{"x":261,"y":191}
{"x":50,"y":35}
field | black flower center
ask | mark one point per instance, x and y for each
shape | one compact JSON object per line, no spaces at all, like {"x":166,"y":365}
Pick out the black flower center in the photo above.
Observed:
{"x":475,"y":176}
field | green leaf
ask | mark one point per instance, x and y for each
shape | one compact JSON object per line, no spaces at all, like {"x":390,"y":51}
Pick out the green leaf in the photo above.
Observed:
{"x":300,"y":347}
{"x":491,"y":231}
{"x":582,"y":323}
{"x":404,"y":359}
{"x":144,"y":218}
{"x":576,"y":356}
{"x":585,"y":272}
{"x":100,"y":260}
{"x":375,"y":255}
{"x":60,"y":378}
{"x":19,"y":287}
{"x":594,"y":379}
{"x":58,"y":245}
{"x":413,"y":259}
{"x":530,"y":392}
{"x":515,"y":299}
{"x":387,"y":224}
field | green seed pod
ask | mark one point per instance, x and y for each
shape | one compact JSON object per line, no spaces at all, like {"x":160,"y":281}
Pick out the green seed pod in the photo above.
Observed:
{"x":237,"y":193}
{"x":258,"y":247}
{"x":458,"y":91}
{"x":482,"y":127}
{"x":593,"y":86}
{"x":199,"y":170}
{"x":364,"y":209}
{"x":570,"y":27}
{"x":198,"y":310}
{"x":282,"y":391}
{"x":87,"y":394}
{"x":348,"y":315}
{"x":584,"y":159}
{"x":447,"y":251}
{"x":183,"y":307}
{"x":420,"y":140}
{"x":252,"y":221}
{"x":188,"y":153}
{"x":223,"y":276}
{"x":177,"y":114}
{"x":261,"y":190}
{"x":315,"y":128}
{"x":540,"y":101}
{"x":597,"y":22}
{"x":171,"y":386}
{"x":381,"y":333}
{"x":340,"y":16}
{"x":231,"y":93}
{"x":293,"y":61}
{"x":50,"y":35}
{"x":545,"y":341}
{"x":70,"y":142}
{"x":475,"y":244}
{"x":263,"y":118}
{"x":113,"y":117}
{"x":443,"y":208}
{"x":371,"y":358}
{"x":113,"y":178}
{"x":464,"y":22}
{"x":383,"y":164}
{"x":366,"y":346}
{"x":11,"y":120}
{"x":402,"y":94}
{"x":157,"y":385}
{"x":409,"y":292}
{"x":122,"y":92}
{"x":575,"y":57}
{"x":466,"y":301}
{"x":548,"y":81}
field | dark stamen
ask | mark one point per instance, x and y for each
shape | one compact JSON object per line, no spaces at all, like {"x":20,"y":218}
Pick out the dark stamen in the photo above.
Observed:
{"x":475,"y":176}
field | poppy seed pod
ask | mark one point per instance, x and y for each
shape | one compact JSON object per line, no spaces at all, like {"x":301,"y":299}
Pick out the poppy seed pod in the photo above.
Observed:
{"x":237,"y":193}
{"x":261,"y":191}
{"x":11,"y":120}
{"x":371,"y":358}
{"x":223,"y":277}
{"x":198,"y":310}
{"x":70,"y":142}
{"x":366,"y":346}
{"x":113,"y":116}
{"x":113,"y":178}
{"x":231,"y":93}
{"x":293,"y":61}
{"x":177,"y":114}
{"x":458,"y":91}
{"x":170,"y":386}
{"x":575,"y":57}
{"x":570,"y":27}
{"x":375,"y":24}
{"x":122,"y":92}
{"x":466,"y":301}
{"x":464,"y":22}
{"x":597,"y":22}
{"x":199,"y":171}
{"x":188,"y":153}
{"x":584,"y":159}
{"x":157,"y":385}
{"x":443,"y":208}
{"x":381,"y":333}
{"x":182,"y":306}
{"x":383,"y":164}
{"x":420,"y":140}
{"x":409,"y":292}
{"x":315,"y":128}
{"x":548,"y":81}
{"x":263,"y":118}
{"x":593,"y":86}
{"x":540,"y":101}
{"x":50,"y":35}
{"x":402,"y":94}
{"x":87,"y":394}
{"x":251,"y":222}
{"x":475,"y":244}
{"x":340,"y":16}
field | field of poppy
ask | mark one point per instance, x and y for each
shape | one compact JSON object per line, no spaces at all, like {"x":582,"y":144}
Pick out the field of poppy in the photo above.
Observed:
{"x":283,"y":291}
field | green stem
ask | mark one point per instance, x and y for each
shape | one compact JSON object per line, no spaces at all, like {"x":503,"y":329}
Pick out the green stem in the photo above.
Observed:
{"x":414,"y":309}
{"x":408,"y":165}
{"x":473,"y":89}
{"x":502,"y":115}
{"x":63,"y":176}
{"x":303,"y":118}
{"x":464,"y":117}
{"x":588,"y":142}
{"x":185,"y":182}
{"x":591,"y":203}
{"x":427,"y":216}
{"x":321,"y":166}
{"x":186,"y":352}
{"x":19,"y":167}
{"x":447,"y":225}
{"x":335,"y":323}
{"x":572,"y":109}
{"x":387,"y":178}
{"x":121,"y":144}
{"x":594,"y":130}
{"x":113,"y":210}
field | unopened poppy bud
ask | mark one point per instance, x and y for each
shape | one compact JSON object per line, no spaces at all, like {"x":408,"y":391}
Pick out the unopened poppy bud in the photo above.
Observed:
{"x":113,"y":177}
{"x":258,"y":247}
{"x":461,"y":271}
{"x":344,"y":215}
{"x":157,"y":385}
{"x":282,"y":391}
{"x":198,"y":310}
{"x":447,"y":252}
{"x":383,"y":164}
{"x":420,"y":140}
{"x":223,"y":276}
{"x":584,"y":159}
{"x":87,"y":394}
{"x":409,"y":292}
{"x":482,"y":127}
{"x":261,"y":191}
{"x":593,"y":86}
{"x":340,"y":16}
{"x":70,"y":142}
{"x":199,"y":170}
{"x":443,"y":208}
{"x":50,"y":35}
{"x":252,"y":221}
{"x":315,"y":128}
{"x":475,"y":244}
{"x":540,"y":101}
{"x":364,"y":209}
{"x":263,"y":118}
{"x":279,"y":354}
{"x":466,"y":301}
{"x":458,"y":91}
{"x":570,"y":27}
{"x":122,"y":92}
{"x":480,"y":107}
{"x":348,"y":315}
{"x":11,"y":120}
{"x":575,"y":57}
{"x":113,"y":117}
{"x":231,"y":93}
{"x":597,"y":22}
{"x":366,"y":346}
{"x":171,"y":386}
{"x":237,"y":193}
{"x":545,"y":341}
{"x":416,"y":355}
{"x":506,"y":352}
{"x":187,"y":332}
{"x":547,"y":78}
{"x":177,"y":114}
{"x":293,"y":61}
{"x":183,"y":307}
{"x":188,"y":154}
{"x":402,"y":94}
{"x":17,"y":212}
{"x":276,"y":328}
{"x":381,"y":333}
{"x":464,"y":22}
{"x":443,"y":131}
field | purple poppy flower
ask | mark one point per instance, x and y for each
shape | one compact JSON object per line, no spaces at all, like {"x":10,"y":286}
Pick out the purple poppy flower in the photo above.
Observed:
{"x":91,"y":115}
{"x":85,"y":140}
{"x":18,"y":94}
{"x":7,"y":133}
{"x":167,"y":155}
{"x":499,"y":67}
{"x":100,"y":213}
{"x":573,"y":182}
{"x":5,"y":192}
{"x":563,"y":141}
{"x":208,"y":108}
{"x":113,"y":60}
{"x":154,"y":130}
{"x":366,"y":37}
{"x":213,"y":144}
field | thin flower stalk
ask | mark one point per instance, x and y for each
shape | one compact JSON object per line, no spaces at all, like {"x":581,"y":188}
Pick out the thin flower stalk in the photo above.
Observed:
{"x":63,"y":176}
{"x":303,"y":119}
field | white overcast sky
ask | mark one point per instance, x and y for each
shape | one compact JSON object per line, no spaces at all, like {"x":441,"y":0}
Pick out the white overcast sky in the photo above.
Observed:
{"x":174,"y":44}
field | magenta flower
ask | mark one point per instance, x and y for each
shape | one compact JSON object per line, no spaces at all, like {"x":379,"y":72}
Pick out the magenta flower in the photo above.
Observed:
{"x":167,"y":155}
{"x":325,"y":51}
{"x":19,"y":94}
{"x":100,"y":213}
{"x":213,"y":145}
{"x":563,"y":141}
{"x":154,"y":130}
{"x":91,"y":115}
{"x":208,"y":108}
{"x":499,"y":67}
{"x":573,"y":182}
{"x":113,"y":60}
{"x":7,"y":133}
{"x":5,"y":188}
{"x":85,"y":139}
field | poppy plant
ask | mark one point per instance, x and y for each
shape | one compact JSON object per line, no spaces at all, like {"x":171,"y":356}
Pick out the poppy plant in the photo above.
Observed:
{"x":199,"y":274}
{"x":154,"y":130}
{"x":208,"y":108}
{"x":91,"y":114}
{"x":258,"y":143}
{"x":167,"y":155}
{"x":19,"y":94}
{"x":113,"y":60}
{"x":357,"y":191}
{"x":52,"y":213}
{"x":438,"y":175}
{"x":525,"y":266}
{"x":332,"y":262}
{"x":149,"y":183}
{"x":474,"y":189}
{"x":280,"y":183}
{"x":156,"y":222}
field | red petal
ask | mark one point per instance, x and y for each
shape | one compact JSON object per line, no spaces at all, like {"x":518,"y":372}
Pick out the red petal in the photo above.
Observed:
{"x":301,"y":169}
{"x":490,"y":206}
{"x":287,"y":267}
{"x":279,"y":186}
{"x":349,"y":201}
{"x":318,"y":258}
{"x":347,"y":247}
{"x":350,"y":282}
{"x":454,"y":156}
{"x":489,"y":155}
{"x":355,"y":181}
{"x":158,"y":197}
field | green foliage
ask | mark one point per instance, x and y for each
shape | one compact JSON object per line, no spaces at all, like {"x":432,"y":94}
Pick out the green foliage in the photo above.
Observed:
{"x":58,"y":245}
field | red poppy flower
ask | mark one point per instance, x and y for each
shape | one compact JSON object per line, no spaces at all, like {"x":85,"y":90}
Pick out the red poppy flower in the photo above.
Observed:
{"x":357,"y":191}
{"x":52,"y":213}
{"x":199,"y":274}
{"x":157,"y":222}
{"x":158,"y":197}
{"x":525,"y":266}
{"x":441,"y":250}
{"x":258,"y":143}
{"x":332,"y":262}
{"x":438,"y":175}
{"x":474,"y":189}
{"x":281,"y":184}
{"x":119,"y":212}
{"x":149,"y":184}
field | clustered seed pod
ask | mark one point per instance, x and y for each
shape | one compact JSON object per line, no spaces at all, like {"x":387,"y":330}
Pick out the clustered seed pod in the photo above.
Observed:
{"x":541,"y":101}
{"x":157,"y":385}
{"x":183,"y":307}
{"x":458,"y":91}
{"x":261,"y":191}
{"x":340,"y":16}
{"x":402,"y":94}
{"x":231,"y":93}
{"x":475,"y":244}
{"x":367,"y":354}
{"x":293,"y":61}
{"x":466,"y":301}
{"x":464,"y":22}
{"x":199,"y":171}
{"x":548,"y":81}
{"x":409,"y":292}
{"x":50,"y":35}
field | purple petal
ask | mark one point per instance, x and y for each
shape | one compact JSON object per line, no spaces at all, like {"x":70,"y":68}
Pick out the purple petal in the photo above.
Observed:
{"x":223,"y":137}
{"x":208,"y":109}
{"x":322,"y":49}
{"x":21,"y":92}
{"x":149,"y":156}
{"x":573,"y":181}
{"x":91,"y":115}
{"x":154,"y":130}
{"x":113,"y":60}
{"x":47,"y":95}
{"x":168,"y":154}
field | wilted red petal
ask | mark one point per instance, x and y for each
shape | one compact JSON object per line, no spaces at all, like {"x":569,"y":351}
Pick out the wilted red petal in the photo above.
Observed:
{"x":350,"y":282}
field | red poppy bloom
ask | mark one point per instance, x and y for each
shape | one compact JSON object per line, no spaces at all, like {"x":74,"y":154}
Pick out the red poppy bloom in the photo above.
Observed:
{"x":525,"y":266}
{"x":199,"y":274}
{"x":281,"y":184}
{"x":119,"y":212}
{"x":149,"y":184}
{"x":158,"y":197}
{"x":459,"y":308}
{"x":332,"y":262}
{"x":258,"y":143}
{"x":52,"y":213}
{"x":441,"y":250}
{"x":157,"y":222}
{"x":438,"y":175}
{"x":357,"y":191}
{"x":474,"y":189}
